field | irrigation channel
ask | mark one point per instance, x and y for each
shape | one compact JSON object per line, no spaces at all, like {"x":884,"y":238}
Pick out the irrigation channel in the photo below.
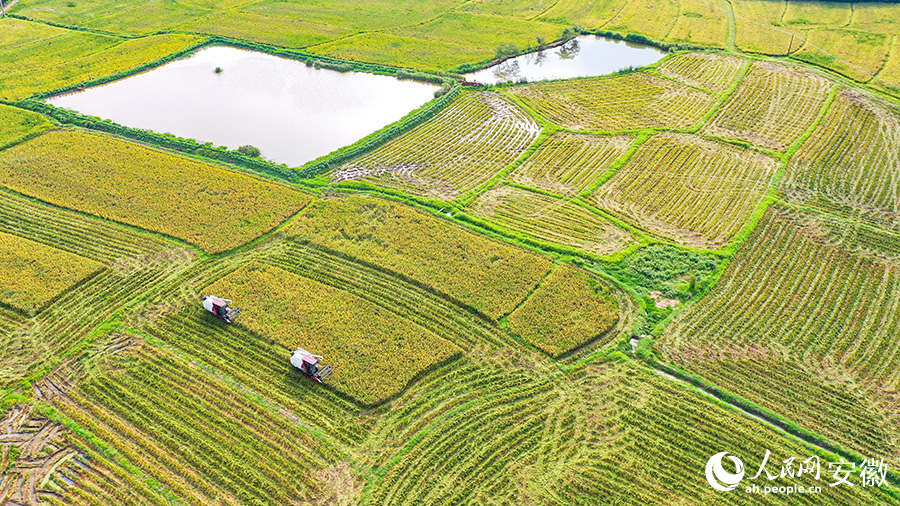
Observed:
{"x":634,"y":344}
{"x":234,"y":97}
{"x":585,"y":56}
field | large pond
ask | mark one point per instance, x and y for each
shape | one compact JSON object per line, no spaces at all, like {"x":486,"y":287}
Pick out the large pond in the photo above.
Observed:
{"x":291,"y":112}
{"x":583,"y":56}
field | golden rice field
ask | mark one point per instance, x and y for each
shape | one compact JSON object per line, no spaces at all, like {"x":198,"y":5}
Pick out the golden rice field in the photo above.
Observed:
{"x":568,"y":309}
{"x":693,"y":190}
{"x":32,"y":274}
{"x":479,"y":134}
{"x":850,"y":158}
{"x":374,"y":351}
{"x":551,"y":219}
{"x":206,"y":205}
{"x":616,"y":103}
{"x":772,"y":106}
{"x":38,"y":58}
{"x":16,"y":124}
{"x":813,"y":339}
{"x":485,"y":274}
{"x":568,"y":163}
{"x":711,"y":71}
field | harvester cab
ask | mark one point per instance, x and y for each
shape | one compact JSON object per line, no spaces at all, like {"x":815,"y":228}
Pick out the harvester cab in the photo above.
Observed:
{"x":219,"y":308}
{"x":309,"y":364}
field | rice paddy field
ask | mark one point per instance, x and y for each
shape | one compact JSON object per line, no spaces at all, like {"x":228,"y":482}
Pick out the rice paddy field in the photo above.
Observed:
{"x":564,"y":292}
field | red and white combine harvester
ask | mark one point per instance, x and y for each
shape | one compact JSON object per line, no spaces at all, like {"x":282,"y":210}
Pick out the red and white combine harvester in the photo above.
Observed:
{"x":219,"y":308}
{"x":309,"y":364}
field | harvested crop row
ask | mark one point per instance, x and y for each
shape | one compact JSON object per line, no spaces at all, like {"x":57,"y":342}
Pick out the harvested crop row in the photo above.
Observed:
{"x":567,"y":163}
{"x":31,"y":273}
{"x":570,"y":308}
{"x":210,"y":206}
{"x":198,"y":437}
{"x":714,"y":72}
{"x":690,"y":189}
{"x":551,"y":219}
{"x":87,"y":236}
{"x":463,"y":146}
{"x":851,"y":158}
{"x":810,"y":302}
{"x":374,"y":351}
{"x":772,"y":107}
{"x":262,"y":367}
{"x":488,"y":275}
{"x":615,"y":103}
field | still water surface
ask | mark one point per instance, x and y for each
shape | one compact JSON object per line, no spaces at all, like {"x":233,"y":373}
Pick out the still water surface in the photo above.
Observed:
{"x":293,"y":113}
{"x":583,"y":56}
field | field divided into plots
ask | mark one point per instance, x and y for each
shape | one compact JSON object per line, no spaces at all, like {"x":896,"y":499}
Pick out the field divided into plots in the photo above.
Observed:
{"x":813,"y":339}
{"x":851,"y":158}
{"x":460,"y":148}
{"x":772,"y":107}
{"x":567,"y":163}
{"x":551,"y":219}
{"x":149,"y":188}
{"x":630,"y":101}
{"x":714,"y":72}
{"x":687,"y":188}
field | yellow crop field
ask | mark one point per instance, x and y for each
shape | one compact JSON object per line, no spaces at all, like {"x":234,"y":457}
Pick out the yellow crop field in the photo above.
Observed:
{"x":614,"y":103}
{"x":856,"y":54}
{"x":488,"y":275}
{"x":888,"y":79}
{"x":390,"y":48}
{"x":374,"y":351}
{"x":714,"y":72}
{"x":700,"y":22}
{"x":570,"y":308}
{"x":690,"y":189}
{"x":759,"y":28}
{"x":279,"y":31}
{"x":772,"y":107}
{"x":206,"y":205}
{"x":567,"y":163}
{"x":32,"y":274}
{"x":551,"y":219}
{"x":39,"y":60}
{"x":851,"y":158}
{"x":817,"y":13}
{"x":591,"y":15}
{"x":653,"y":19}
{"x":17,"y":123}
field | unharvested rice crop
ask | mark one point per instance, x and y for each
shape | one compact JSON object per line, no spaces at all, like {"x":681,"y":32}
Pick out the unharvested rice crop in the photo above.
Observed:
{"x":759,"y":30}
{"x":36,"y":58}
{"x":374,"y":351}
{"x":700,"y":22}
{"x":32,"y":274}
{"x":490,"y":276}
{"x":568,"y":309}
{"x":693,"y":190}
{"x":279,"y":31}
{"x":615,"y":103}
{"x":212,"y":207}
{"x":18,"y":123}
{"x":857,"y":54}
{"x":551,"y":219}
{"x":797,"y":305}
{"x":772,"y":107}
{"x":653,"y":19}
{"x":714,"y":72}
{"x":851,"y":158}
{"x":591,"y":15}
{"x":457,"y":150}
{"x":567,"y":163}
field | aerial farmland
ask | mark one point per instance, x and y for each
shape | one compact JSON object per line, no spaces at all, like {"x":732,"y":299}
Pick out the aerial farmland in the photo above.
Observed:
{"x":460,"y":252}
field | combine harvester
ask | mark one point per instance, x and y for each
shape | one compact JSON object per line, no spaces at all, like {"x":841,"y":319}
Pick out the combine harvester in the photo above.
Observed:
{"x":309,"y":365}
{"x":219,"y":308}
{"x":300,"y":358}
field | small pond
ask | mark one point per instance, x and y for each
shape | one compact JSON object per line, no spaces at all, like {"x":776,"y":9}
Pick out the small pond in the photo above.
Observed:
{"x":291,"y":112}
{"x":583,"y":56}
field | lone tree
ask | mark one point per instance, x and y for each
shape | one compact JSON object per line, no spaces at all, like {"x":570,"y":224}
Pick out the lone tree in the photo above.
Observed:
{"x":249,"y":150}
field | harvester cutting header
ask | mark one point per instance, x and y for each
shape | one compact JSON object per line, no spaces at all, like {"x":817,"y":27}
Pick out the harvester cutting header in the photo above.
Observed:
{"x":219,"y":308}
